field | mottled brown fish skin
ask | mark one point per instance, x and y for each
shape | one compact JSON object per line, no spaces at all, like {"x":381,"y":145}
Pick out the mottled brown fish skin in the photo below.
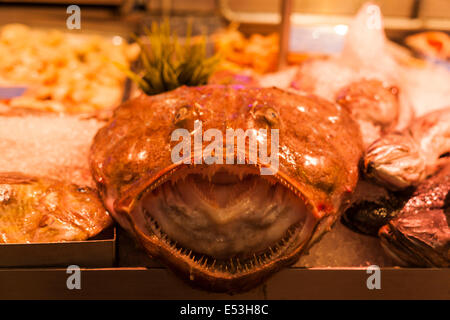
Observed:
{"x":319,"y":149}
{"x":35,"y":209}
{"x":373,"y":104}
{"x":420,"y":233}
{"x":371,"y":100}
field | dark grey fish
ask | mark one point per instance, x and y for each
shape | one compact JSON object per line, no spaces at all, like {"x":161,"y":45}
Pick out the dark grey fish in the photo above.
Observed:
{"x":373,"y":206}
{"x":419,"y":234}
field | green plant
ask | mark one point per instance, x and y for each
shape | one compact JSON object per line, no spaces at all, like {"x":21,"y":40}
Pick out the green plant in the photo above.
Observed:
{"x":167,"y":64}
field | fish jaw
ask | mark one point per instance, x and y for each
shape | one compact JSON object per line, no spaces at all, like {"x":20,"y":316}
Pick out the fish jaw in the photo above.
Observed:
{"x":318,"y":168}
{"x":222,"y":269}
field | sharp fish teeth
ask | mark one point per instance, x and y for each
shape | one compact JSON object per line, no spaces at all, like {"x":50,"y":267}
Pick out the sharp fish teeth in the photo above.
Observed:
{"x":231,"y":263}
{"x":261,"y":262}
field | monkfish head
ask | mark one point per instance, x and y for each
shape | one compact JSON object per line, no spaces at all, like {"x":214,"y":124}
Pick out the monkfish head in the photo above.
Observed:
{"x":226,"y":184}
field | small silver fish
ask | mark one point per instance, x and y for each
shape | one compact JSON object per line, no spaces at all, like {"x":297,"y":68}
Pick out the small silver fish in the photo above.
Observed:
{"x":402,"y":159}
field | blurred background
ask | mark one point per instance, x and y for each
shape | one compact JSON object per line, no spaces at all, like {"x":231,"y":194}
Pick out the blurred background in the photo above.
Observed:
{"x":261,"y":35}
{"x":401,"y":16}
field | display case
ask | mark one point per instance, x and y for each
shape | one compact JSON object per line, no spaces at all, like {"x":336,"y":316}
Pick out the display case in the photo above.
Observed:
{"x":114,"y":265}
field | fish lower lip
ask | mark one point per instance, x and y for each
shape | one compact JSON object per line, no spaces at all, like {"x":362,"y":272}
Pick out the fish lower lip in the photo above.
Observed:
{"x":234,"y":264}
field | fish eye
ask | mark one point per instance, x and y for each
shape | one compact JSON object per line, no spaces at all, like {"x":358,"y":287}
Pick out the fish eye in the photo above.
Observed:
{"x":181,"y":114}
{"x":268,"y":115}
{"x":184,"y":113}
{"x":271,"y":115}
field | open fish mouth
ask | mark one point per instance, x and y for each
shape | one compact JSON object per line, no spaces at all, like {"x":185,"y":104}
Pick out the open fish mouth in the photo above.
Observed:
{"x":223,"y":222}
